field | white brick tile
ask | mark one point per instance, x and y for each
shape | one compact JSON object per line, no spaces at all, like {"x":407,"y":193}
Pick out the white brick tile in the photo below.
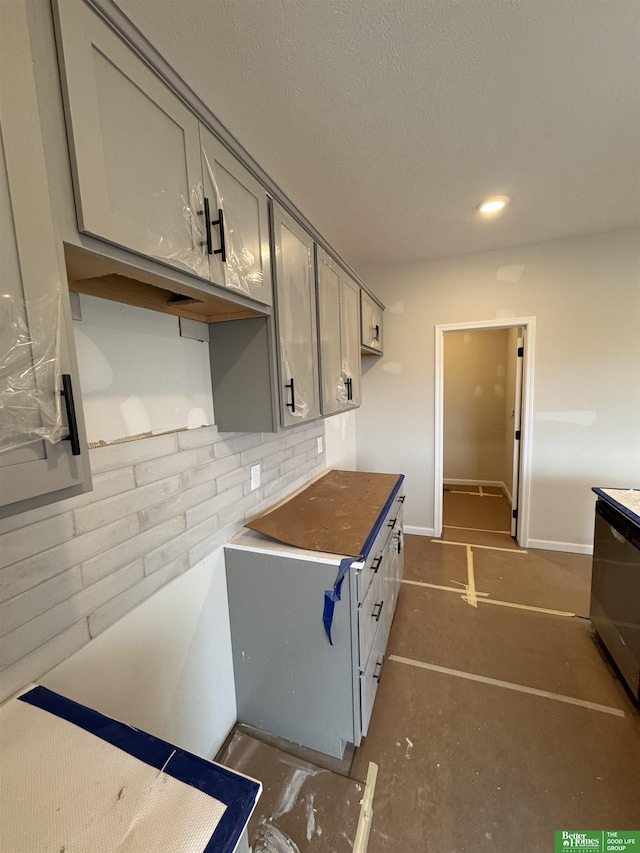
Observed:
{"x":211,"y":543}
{"x":121,"y":604}
{"x":291,"y":465}
{"x":33,"y":634}
{"x":284,"y":486}
{"x":305,"y":446}
{"x":168,"y":552}
{"x":20,"y":544}
{"x":276,"y":458}
{"x":164,"y":510}
{"x":132,"y":452}
{"x":158,"y":469}
{"x":241,"y":476}
{"x":230,"y":446}
{"x":202,"y":531}
{"x":34,"y":666}
{"x":265,"y":477}
{"x":239,"y":511}
{"x":103,"y":512}
{"x":291,"y":439}
{"x":211,"y":507}
{"x":212,"y":470}
{"x":24,"y":607}
{"x":257,"y":453}
{"x":190,"y":438}
{"x":34,"y":570}
{"x":105,"y":563}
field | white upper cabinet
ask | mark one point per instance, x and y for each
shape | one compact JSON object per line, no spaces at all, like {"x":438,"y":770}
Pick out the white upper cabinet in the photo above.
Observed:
{"x":43,"y":453}
{"x":339,"y":336}
{"x":135,"y":148}
{"x":296,"y":320}
{"x":237,"y":234}
{"x":371,"y":337}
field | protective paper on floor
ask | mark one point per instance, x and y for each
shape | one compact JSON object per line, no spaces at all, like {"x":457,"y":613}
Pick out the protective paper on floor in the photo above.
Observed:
{"x":304,"y":808}
{"x":336,"y":514}
{"x":67,"y":791}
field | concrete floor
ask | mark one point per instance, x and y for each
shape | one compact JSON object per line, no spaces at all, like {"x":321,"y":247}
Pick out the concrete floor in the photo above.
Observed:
{"x":499,"y":717}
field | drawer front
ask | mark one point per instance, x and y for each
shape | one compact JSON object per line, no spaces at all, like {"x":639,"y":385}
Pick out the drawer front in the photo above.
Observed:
{"x":374,"y":564}
{"x":370,"y":617}
{"x":370,"y":679}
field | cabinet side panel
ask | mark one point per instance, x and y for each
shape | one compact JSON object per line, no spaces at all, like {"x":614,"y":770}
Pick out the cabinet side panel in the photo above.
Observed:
{"x":290,"y":681}
{"x":243,"y":375}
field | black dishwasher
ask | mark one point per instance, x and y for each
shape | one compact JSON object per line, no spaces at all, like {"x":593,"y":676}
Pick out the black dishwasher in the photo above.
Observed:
{"x":615,"y":590}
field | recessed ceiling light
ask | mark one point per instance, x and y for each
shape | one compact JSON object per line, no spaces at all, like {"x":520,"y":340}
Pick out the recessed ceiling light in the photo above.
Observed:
{"x":494,"y":204}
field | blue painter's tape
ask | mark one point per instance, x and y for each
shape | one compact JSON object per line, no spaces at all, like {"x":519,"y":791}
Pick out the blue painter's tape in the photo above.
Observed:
{"x":371,"y":538}
{"x":236,"y":792}
{"x":331,"y":596}
{"x":335,"y":594}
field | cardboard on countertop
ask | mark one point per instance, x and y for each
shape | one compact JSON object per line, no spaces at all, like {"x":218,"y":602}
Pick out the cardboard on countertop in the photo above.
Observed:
{"x":335,"y":514}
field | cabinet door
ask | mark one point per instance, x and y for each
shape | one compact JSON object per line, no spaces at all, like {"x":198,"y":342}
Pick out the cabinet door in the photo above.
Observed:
{"x":33,"y":294}
{"x":239,"y":222}
{"x":334,"y":390}
{"x":135,"y":150}
{"x":296,"y":320}
{"x":350,"y":336}
{"x":371,"y":319}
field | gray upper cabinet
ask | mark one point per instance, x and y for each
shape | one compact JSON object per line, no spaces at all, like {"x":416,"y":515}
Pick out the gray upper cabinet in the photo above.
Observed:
{"x":350,"y":337}
{"x":339,"y":336}
{"x":135,"y":150}
{"x":238,"y":230}
{"x":296,"y":320}
{"x":35,"y":347}
{"x":371,"y":320}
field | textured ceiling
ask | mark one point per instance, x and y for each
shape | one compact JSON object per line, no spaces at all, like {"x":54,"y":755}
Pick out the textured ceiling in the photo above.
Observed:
{"x":387,"y":121}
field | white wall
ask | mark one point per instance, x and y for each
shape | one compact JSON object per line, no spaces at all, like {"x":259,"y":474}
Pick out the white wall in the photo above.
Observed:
{"x":137,"y":374}
{"x":585,"y":294}
{"x":166,"y":667}
{"x":340,"y":437}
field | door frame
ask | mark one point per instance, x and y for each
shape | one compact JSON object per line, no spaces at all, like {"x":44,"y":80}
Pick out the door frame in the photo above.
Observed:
{"x":529,"y":325}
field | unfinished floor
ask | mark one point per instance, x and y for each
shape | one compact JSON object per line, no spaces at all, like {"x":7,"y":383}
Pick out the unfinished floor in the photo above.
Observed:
{"x":499,"y":718}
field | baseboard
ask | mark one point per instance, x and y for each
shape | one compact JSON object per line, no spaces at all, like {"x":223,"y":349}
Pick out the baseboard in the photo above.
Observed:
{"x":506,"y":492}
{"x":567,"y":547}
{"x":418,"y":531}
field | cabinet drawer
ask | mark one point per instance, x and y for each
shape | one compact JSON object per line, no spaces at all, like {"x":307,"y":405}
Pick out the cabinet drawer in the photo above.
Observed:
{"x":370,"y":616}
{"x":370,"y":679}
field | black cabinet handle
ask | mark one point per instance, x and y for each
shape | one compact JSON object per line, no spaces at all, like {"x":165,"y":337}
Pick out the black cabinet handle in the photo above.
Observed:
{"x":207,"y":227}
{"x":292,"y":404}
{"x":349,"y":384}
{"x":377,"y":615}
{"x":72,"y":423}
{"x":377,"y":675}
{"x":376,"y":564}
{"x":376,"y":336}
{"x":392,"y":523}
{"x":222,"y":251}
{"x":401,"y":499}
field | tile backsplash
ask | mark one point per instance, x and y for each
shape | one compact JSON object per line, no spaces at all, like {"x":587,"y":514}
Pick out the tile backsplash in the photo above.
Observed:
{"x":159,"y":505}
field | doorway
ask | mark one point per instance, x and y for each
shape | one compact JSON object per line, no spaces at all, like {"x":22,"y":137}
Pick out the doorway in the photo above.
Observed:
{"x":465,"y":461}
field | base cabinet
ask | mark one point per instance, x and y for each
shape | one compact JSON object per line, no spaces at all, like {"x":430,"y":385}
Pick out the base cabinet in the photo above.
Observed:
{"x":290,"y":681}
